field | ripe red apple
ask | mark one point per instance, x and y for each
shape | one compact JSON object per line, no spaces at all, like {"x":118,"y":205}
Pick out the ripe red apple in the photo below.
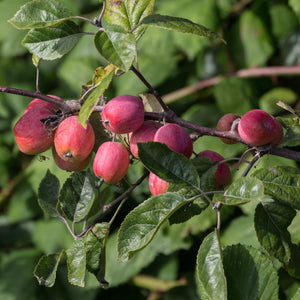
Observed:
{"x":278,"y":135}
{"x":222,"y":174}
{"x":176,"y":138}
{"x":225,"y":124}
{"x":142,"y":135}
{"x":72,"y":166}
{"x":257,"y":127}
{"x":72,"y":141}
{"x":157,"y":185}
{"x":111,"y":162}
{"x":123,"y":114}
{"x":30,"y":133}
{"x":38,"y":103}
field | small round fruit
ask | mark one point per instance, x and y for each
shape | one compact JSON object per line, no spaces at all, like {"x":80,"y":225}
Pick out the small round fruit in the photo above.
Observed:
{"x":72,"y":166}
{"x":111,"y":162}
{"x":38,"y":103}
{"x":72,"y":141}
{"x":31,"y":134}
{"x":222,"y":174}
{"x":176,"y":138}
{"x":142,"y":135}
{"x":225,"y":124}
{"x":123,"y":114}
{"x":278,"y":133}
{"x":257,"y":127}
{"x":157,"y":185}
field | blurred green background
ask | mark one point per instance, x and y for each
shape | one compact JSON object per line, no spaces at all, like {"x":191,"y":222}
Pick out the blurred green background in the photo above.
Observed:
{"x":258,"y":33}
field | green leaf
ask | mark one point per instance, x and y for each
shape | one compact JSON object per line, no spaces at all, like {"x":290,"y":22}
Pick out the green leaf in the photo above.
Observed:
{"x":48,"y":194}
{"x":52,"y":42}
{"x":128,"y":13}
{"x":241,"y":191}
{"x":76,"y":262}
{"x":103,"y":77}
{"x":141,"y":224}
{"x":250,"y":274}
{"x":45,"y":270}
{"x":271,"y":222}
{"x":292,"y":135}
{"x":295,"y":6}
{"x":178,"y":24}
{"x":116,"y":46}
{"x":167,"y":164}
{"x":77,"y":196}
{"x":281,"y":185}
{"x":40,"y":13}
{"x":210,"y":273}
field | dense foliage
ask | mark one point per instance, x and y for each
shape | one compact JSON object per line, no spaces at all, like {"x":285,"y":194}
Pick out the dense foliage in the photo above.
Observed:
{"x":81,"y":237}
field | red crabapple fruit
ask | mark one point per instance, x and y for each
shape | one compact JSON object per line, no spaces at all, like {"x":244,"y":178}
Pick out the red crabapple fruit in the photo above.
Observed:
{"x":257,"y":127}
{"x":123,"y":114}
{"x":278,"y":135}
{"x":222,"y":174}
{"x":157,"y":185}
{"x":111,"y":162}
{"x":72,"y":166}
{"x":31,"y":134}
{"x":176,"y":138}
{"x":225,"y":124}
{"x":72,"y":141}
{"x":38,"y":103}
{"x":142,"y":135}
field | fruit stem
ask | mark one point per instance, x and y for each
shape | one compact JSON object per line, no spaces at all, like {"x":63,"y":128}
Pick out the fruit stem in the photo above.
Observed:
{"x":151,"y":89}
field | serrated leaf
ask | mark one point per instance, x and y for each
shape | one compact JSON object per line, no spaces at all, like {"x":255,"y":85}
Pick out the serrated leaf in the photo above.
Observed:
{"x":45,"y":270}
{"x":48,"y":193}
{"x":141,"y":224}
{"x":250,"y":274}
{"x":40,"y":13}
{"x":116,"y":46}
{"x":76,"y":262}
{"x":241,"y":191}
{"x":167,"y":164}
{"x":128,"y":13}
{"x":178,"y":24}
{"x":52,"y":42}
{"x":77,"y":196}
{"x":209,"y":270}
{"x":281,"y":185}
{"x":104,"y":78}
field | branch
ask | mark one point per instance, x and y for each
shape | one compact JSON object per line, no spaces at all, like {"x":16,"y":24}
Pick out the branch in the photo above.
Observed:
{"x":244,"y":73}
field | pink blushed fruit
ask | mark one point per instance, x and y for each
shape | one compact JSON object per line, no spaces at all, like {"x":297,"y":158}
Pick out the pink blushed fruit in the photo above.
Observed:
{"x":38,"y":103}
{"x":142,"y":135}
{"x":278,"y":135}
{"x":31,"y":134}
{"x":157,"y":185}
{"x":111,"y":162}
{"x":222,"y":174}
{"x":123,"y":114}
{"x":225,"y":124}
{"x":72,"y":141}
{"x":257,"y":127}
{"x":176,"y":138}
{"x":72,"y":166}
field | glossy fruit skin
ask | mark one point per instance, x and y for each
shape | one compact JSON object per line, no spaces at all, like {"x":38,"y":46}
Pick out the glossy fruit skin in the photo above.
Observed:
{"x":222,"y":174}
{"x":71,"y":166}
{"x":142,"y":135}
{"x":111,"y":162}
{"x":225,"y":124}
{"x":38,"y":103}
{"x":257,"y":127}
{"x":278,"y":133}
{"x":176,"y":138}
{"x":157,"y":185}
{"x":123,"y":114}
{"x":30,"y":133}
{"x":72,"y":141}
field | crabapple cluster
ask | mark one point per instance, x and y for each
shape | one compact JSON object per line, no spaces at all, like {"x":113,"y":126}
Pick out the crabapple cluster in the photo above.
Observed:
{"x":71,"y":143}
